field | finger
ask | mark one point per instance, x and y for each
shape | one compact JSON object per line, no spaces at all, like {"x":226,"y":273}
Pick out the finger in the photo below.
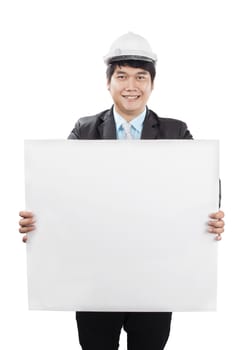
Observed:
{"x":25,"y":239}
{"x":26,"y":214}
{"x":216,"y":230}
{"x":218,"y":215}
{"x":218,"y":237}
{"x":26,"y":229}
{"x":216,"y":223}
{"x":26,"y":222}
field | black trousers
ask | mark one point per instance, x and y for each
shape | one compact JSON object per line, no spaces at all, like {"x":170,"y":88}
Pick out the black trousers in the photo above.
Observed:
{"x":145,"y":330}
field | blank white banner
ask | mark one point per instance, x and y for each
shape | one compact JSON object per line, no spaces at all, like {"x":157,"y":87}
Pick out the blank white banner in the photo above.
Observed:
{"x":122,"y":225}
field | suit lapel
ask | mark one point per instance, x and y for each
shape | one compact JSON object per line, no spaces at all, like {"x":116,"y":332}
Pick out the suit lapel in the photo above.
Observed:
{"x":107,"y":128}
{"x":150,"y":128}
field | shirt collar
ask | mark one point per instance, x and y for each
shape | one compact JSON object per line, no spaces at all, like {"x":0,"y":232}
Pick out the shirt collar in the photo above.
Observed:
{"x":136,"y":122}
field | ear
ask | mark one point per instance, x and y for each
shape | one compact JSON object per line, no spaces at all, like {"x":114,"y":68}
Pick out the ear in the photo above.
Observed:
{"x":108,"y":85}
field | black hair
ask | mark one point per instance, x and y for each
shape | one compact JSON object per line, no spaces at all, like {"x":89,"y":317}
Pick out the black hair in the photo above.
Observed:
{"x":148,"y":66}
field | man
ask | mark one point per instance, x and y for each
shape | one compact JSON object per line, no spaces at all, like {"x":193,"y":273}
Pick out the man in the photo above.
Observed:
{"x":130,"y":80}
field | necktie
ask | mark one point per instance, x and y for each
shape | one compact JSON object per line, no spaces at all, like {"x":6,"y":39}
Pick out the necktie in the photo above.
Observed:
{"x":127,"y":129}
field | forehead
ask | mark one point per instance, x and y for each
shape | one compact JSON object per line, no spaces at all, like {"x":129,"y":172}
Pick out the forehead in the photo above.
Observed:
{"x":130,"y":70}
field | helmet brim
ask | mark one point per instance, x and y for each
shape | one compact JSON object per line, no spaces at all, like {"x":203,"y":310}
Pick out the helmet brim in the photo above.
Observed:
{"x":110,"y":60}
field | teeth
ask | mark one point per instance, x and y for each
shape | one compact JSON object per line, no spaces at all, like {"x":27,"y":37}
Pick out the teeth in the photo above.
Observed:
{"x":131,"y":97}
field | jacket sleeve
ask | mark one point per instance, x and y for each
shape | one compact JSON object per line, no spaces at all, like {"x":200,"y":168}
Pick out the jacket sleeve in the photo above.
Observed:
{"x":185,"y":133}
{"x":75,"y":132}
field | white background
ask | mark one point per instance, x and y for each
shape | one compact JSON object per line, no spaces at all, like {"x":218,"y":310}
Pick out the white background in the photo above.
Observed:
{"x":52,"y":73}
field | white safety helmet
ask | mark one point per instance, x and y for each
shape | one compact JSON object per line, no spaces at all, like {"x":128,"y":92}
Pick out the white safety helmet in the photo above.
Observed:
{"x":130,"y":46}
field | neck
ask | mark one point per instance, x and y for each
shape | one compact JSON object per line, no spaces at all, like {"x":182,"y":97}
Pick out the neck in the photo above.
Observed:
{"x":129,"y":116}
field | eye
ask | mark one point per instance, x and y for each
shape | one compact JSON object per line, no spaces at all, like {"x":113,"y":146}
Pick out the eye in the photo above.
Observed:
{"x":121,"y":76}
{"x":141,"y":77}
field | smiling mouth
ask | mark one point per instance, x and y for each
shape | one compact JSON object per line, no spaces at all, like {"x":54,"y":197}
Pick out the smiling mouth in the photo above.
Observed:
{"x":131,"y":97}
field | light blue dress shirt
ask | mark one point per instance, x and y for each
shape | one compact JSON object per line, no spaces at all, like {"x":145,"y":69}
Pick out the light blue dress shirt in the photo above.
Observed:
{"x":136,"y":125}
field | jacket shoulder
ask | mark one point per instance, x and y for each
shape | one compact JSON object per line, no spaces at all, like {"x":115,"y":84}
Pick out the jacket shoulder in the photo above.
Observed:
{"x":86,"y":127}
{"x":170,"y":128}
{"x":171,"y":121}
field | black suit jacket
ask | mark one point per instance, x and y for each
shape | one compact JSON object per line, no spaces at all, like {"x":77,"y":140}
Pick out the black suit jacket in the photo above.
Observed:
{"x":102,"y":126}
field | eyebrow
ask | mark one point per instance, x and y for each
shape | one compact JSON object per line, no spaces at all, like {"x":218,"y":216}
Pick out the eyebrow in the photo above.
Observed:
{"x":138,"y":73}
{"x":143,"y":72}
{"x":120,"y":71}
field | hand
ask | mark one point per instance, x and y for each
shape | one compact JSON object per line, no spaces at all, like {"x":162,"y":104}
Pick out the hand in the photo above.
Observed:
{"x":26,"y":223}
{"x":216,"y":226}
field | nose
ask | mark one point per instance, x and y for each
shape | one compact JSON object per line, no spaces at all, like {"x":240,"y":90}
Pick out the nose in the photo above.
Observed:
{"x":131,"y":84}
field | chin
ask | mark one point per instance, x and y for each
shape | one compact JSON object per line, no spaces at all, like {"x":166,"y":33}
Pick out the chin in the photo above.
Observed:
{"x":132,"y":107}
